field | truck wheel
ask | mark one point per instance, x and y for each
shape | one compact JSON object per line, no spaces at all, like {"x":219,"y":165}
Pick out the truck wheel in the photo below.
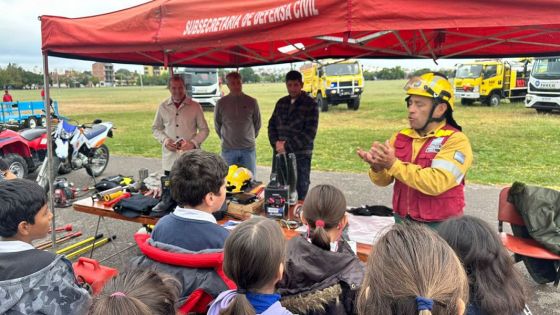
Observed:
{"x":16,"y":165}
{"x":322,"y":103}
{"x":466,"y":101}
{"x":494,"y":100}
{"x":544,"y":111}
{"x":31,"y":123}
{"x":354,"y":104}
{"x":43,"y":121}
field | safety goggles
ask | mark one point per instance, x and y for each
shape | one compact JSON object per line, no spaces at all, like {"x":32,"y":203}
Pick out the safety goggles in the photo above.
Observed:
{"x":421,"y":84}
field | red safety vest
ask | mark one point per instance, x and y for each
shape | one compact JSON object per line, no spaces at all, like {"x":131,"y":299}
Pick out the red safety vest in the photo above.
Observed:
{"x":408,"y":201}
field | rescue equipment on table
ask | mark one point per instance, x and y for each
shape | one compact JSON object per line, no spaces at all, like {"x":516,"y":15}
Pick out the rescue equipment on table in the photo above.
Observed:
{"x":238,"y":179}
{"x":377,"y":210}
{"x":65,"y":192}
{"x":109,"y":188}
{"x":276,"y":199}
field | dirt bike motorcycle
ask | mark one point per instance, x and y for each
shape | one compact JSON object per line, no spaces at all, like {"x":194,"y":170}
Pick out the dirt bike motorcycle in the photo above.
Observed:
{"x":78,"y":146}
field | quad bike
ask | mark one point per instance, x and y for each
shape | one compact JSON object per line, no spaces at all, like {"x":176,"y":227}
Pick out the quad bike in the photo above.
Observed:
{"x":23,"y":150}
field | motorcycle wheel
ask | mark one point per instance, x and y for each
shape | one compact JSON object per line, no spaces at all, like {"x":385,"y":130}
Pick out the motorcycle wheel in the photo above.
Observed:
{"x":98,"y":160}
{"x":62,"y":167}
{"x":16,"y":165}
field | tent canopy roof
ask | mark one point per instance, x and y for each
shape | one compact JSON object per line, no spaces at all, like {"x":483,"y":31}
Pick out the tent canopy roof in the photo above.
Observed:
{"x":205,"y":33}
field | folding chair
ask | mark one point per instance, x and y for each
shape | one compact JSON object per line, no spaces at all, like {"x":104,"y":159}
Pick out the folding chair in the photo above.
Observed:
{"x":519,"y":245}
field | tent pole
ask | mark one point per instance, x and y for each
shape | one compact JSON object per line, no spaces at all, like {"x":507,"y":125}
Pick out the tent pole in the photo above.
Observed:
{"x":49,"y":156}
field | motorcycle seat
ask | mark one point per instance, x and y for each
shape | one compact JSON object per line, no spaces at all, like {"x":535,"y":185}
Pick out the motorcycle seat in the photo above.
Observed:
{"x":31,"y":134}
{"x":94,"y":131}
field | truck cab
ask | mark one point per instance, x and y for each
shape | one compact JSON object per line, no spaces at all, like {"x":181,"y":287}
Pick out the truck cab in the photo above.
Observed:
{"x":203,"y":85}
{"x":334,"y":82}
{"x":544,"y":85}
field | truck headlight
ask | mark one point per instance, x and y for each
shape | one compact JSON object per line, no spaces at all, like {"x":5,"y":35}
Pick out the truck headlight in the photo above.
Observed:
{"x":333,"y":85}
{"x":333,"y":91}
{"x":357,"y":90}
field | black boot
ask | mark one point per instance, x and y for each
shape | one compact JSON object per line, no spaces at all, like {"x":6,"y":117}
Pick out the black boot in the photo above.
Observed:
{"x":167,"y":204}
{"x":291,"y":166}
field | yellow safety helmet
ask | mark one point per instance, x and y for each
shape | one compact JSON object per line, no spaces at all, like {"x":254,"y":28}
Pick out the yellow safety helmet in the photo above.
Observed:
{"x":238,"y":178}
{"x":433,"y":85}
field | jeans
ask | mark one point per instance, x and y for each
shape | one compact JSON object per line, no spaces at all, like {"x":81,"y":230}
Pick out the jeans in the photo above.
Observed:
{"x":303,"y":171}
{"x":242,"y":157}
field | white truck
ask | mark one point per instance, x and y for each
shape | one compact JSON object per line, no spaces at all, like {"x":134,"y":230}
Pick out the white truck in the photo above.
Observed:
{"x":203,"y":85}
{"x":544,"y":85}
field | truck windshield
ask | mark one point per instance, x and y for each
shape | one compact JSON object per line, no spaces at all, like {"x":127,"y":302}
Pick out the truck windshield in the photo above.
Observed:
{"x":204,"y":78}
{"x":548,"y":68}
{"x":342,"y":69}
{"x":468,"y":71}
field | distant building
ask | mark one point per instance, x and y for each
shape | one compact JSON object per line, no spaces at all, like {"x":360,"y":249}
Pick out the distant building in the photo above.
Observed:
{"x":104,"y":72}
{"x":151,"y":71}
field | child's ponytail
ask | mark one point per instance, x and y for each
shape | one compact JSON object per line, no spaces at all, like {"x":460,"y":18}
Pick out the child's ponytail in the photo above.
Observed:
{"x":240,"y":305}
{"x":324,"y":208}
{"x":319,"y":236}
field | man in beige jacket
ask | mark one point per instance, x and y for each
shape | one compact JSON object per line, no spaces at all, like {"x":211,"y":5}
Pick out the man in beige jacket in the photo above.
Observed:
{"x":179,"y":124}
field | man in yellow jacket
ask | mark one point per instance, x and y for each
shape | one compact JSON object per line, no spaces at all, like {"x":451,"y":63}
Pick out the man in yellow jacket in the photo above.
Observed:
{"x":427,"y":161}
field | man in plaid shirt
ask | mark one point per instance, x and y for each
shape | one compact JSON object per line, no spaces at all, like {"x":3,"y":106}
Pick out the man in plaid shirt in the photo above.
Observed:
{"x":293,"y":126}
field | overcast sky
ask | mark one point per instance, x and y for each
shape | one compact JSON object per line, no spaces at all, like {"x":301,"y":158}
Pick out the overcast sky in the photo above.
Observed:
{"x":20,"y":33}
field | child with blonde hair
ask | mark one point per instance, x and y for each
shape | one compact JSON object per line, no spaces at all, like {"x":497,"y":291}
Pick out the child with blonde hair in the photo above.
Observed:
{"x":140,"y":292}
{"x":411,"y":271}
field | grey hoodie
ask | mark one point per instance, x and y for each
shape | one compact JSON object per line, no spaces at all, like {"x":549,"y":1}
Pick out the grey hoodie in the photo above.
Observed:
{"x":50,"y":288}
{"x":225,"y":298}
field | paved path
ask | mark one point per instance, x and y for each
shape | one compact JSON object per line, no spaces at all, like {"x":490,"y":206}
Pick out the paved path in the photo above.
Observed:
{"x":482,"y":201}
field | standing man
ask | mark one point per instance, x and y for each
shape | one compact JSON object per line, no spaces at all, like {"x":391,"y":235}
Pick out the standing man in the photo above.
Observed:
{"x":179,"y":124}
{"x":7,"y":97}
{"x":237,"y":120}
{"x":293,"y":126}
{"x":427,"y":161}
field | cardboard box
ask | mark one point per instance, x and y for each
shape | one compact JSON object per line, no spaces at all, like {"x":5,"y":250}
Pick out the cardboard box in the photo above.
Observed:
{"x":244,"y":212}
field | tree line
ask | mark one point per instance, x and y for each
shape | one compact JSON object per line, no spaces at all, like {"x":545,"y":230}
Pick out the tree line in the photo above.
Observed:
{"x":15,"y":77}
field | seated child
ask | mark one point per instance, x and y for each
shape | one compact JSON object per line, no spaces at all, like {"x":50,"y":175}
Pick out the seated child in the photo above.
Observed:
{"x":33,"y":281}
{"x":496,"y":287}
{"x":322,"y":273}
{"x":138,"y":291}
{"x":198,"y":186}
{"x":412,"y":271}
{"x":253,"y":259}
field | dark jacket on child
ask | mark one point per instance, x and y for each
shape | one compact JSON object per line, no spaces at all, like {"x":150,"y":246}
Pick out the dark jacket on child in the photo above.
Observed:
{"x":317,"y":281}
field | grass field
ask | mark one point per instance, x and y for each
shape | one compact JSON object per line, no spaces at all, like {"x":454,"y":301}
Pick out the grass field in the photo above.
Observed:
{"x":510,"y":142}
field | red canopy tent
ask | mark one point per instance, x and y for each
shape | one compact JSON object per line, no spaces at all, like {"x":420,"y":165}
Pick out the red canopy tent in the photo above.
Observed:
{"x":243,"y":33}
{"x":232,"y":33}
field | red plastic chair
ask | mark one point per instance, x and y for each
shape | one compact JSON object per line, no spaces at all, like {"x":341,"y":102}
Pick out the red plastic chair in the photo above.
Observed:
{"x":520,"y":245}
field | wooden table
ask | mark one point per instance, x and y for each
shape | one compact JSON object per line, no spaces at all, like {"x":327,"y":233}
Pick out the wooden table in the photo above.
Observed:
{"x":96,"y":208}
